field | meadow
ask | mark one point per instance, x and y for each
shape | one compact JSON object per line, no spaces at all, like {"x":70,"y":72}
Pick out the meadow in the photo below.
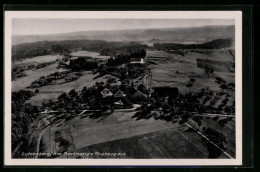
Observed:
{"x":89,"y":54}
{"x":32,"y":75}
{"x":39,"y":59}
{"x":176,"y":70}
{"x":120,"y":133}
{"x":51,"y":92}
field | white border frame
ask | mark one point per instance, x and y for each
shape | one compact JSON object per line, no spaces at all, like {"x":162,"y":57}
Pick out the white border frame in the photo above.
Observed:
{"x":236,"y":15}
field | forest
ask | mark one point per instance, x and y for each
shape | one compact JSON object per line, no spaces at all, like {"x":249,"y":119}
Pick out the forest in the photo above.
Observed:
{"x":215,"y":44}
{"x":22,"y":116}
{"x":29,"y":50}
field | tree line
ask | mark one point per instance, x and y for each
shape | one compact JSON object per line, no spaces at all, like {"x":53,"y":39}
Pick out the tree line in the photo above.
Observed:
{"x":29,"y":50}
{"x":23,"y":115}
{"x":215,"y":44}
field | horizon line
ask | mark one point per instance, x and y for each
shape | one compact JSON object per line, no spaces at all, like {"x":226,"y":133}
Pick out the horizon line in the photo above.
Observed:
{"x":123,"y":30}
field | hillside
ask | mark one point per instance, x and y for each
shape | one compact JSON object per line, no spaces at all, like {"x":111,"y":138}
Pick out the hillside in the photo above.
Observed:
{"x":215,"y":44}
{"x":29,"y":50}
{"x":178,"y":35}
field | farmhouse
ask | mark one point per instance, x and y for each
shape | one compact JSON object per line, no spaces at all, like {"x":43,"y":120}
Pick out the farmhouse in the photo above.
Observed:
{"x":119,"y":94}
{"x":106,"y":92}
{"x":119,"y":104}
{"x":121,"y":101}
{"x":135,"y":95}
{"x":136,"y":61}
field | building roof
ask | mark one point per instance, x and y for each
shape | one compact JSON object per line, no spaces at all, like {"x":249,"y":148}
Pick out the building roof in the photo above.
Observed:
{"x":74,"y":58}
{"x":119,"y":103}
{"x":106,"y":92}
{"x":136,"y":60}
{"x":119,"y":93}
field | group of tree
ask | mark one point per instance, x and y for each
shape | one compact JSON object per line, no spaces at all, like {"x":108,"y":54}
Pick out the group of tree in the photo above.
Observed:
{"x":124,"y":58}
{"x":19,"y":71}
{"x":23,"y":115}
{"x":52,"y":78}
{"x":215,"y":44}
{"x":135,"y":49}
{"x":219,"y":139}
{"x":82,"y":64}
{"x":29,"y":50}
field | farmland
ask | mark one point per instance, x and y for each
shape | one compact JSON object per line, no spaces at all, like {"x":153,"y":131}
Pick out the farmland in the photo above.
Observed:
{"x":136,"y":138}
{"x":38,"y":59}
{"x":228,"y":130}
{"x":176,"y":70}
{"x":128,"y":114}
{"x":31,"y":76}
{"x":89,"y":54}
{"x":51,"y":92}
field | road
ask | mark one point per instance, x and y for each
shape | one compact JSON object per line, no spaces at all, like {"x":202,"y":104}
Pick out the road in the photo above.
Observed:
{"x":202,"y":135}
{"x":216,"y":115}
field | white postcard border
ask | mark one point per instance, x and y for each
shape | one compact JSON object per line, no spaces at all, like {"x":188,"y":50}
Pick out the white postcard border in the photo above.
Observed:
{"x":9,"y":15}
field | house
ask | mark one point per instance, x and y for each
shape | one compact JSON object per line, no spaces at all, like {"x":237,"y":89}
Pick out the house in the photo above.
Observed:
{"x":119,"y":104}
{"x":119,"y":94}
{"x":137,"y":61}
{"x":106,"y":92}
{"x":135,"y":95}
{"x":121,"y":101}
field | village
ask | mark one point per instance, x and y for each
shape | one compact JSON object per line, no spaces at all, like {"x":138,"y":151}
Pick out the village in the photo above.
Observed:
{"x":118,"y":97}
{"x":126,"y":88}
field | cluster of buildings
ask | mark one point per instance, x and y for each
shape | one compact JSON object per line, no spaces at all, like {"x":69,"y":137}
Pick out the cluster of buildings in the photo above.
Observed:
{"x":122,"y":99}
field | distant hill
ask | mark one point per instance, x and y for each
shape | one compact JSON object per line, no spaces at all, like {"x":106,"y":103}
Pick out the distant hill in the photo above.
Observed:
{"x":29,"y":50}
{"x":177,"y":35}
{"x":215,"y":44}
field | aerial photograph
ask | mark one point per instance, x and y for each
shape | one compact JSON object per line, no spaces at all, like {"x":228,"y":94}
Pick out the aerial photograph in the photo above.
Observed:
{"x":84,"y":88}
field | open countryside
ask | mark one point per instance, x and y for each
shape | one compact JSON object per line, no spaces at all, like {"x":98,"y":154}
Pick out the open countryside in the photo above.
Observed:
{"x":144,"y":100}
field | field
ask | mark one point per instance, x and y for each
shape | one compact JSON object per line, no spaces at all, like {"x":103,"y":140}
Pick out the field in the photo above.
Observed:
{"x":119,"y":133}
{"x":169,"y":143}
{"x":176,"y":70}
{"x":228,"y":130}
{"x":33,"y":75}
{"x":51,"y":92}
{"x":39,"y":59}
{"x":90,"y":54}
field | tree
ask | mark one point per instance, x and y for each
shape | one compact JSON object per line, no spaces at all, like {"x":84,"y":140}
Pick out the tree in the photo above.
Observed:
{"x":217,"y":138}
{"x":36,"y":91}
{"x":192,"y":80}
{"x":223,"y":87}
{"x":188,"y":86}
{"x":142,"y":88}
{"x":208,"y":70}
{"x":227,"y":109}
{"x":63,"y":97}
{"x":73,"y":93}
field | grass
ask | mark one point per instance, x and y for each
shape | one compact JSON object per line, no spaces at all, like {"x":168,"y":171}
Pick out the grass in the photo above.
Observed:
{"x":176,"y":70}
{"x":119,"y":133}
{"x":39,"y":59}
{"x":107,"y":132}
{"x":136,"y":147}
{"x":26,"y":81}
{"x":51,"y":92}
{"x":90,"y":54}
{"x":171,"y":143}
{"x":228,"y":130}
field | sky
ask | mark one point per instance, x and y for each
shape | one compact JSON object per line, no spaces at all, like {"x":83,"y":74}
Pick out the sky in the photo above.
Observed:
{"x":55,"y":26}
